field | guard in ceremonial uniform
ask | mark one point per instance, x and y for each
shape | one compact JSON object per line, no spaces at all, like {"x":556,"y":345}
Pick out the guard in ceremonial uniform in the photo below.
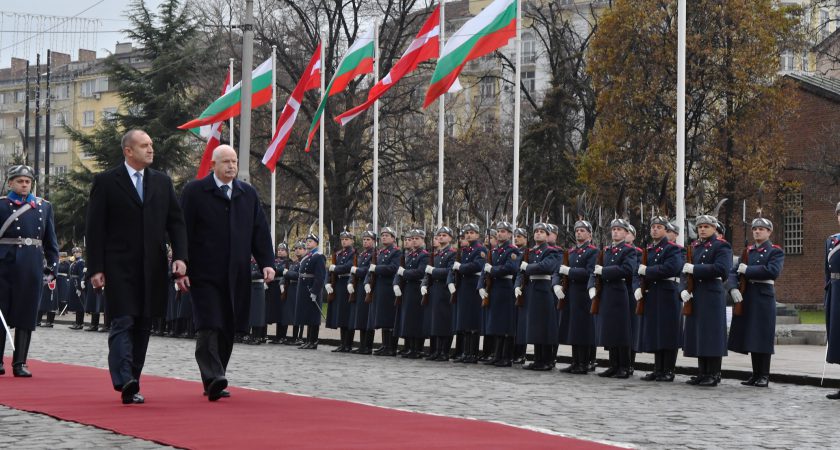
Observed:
{"x":50,"y":294}
{"x":355,"y":288}
{"x":577,"y":325}
{"x":754,"y":331}
{"x":520,"y":239}
{"x":488,"y":341}
{"x":440,"y":306}
{"x":464,"y":280}
{"x":500,"y":268}
{"x":256,"y":313}
{"x":288,"y":296}
{"x":75,"y":299}
{"x":705,"y":328}
{"x":273,"y":305}
{"x":832,"y":299}
{"x":27,"y":238}
{"x":614,"y":328}
{"x":534,"y":285}
{"x":407,"y":293}
{"x":311,"y":278}
{"x":339,"y":310}
{"x":379,"y":283}
{"x":661,"y":323}
{"x":462,"y":243}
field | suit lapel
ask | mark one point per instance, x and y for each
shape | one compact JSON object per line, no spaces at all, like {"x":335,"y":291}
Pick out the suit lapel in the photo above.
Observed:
{"x":125,"y":182}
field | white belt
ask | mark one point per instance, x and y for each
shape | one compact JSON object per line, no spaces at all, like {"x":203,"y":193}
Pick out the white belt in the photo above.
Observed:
{"x":507,"y":277}
{"x":346,"y":275}
{"x":835,"y":276}
{"x":674,"y":279}
{"x":540,"y":277}
{"x":306,"y":275}
{"x":762,"y":281}
{"x":257,"y":281}
{"x":21,"y":241}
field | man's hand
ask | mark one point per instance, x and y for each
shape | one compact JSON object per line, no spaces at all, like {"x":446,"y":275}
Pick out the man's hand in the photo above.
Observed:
{"x":451,"y":287}
{"x":638,"y":294}
{"x":372,"y":268}
{"x":98,"y":280}
{"x":482,"y":293}
{"x":314,"y":298}
{"x":179,"y":268}
{"x":328,"y":287}
{"x":332,"y":268}
{"x":742,"y":268}
{"x":424,"y":290}
{"x":350,"y":289}
{"x":736,"y":295}
{"x":367,"y":289}
{"x":599,"y":269}
{"x":353,"y":270}
{"x":564,"y":270}
{"x":183,"y":283}
{"x":688,"y":268}
{"x":523,"y":266}
{"x":397,"y":290}
{"x":456,"y":265}
{"x":268,"y":274}
{"x":429,"y":269}
{"x":400,"y":271}
{"x":558,"y":292}
{"x":488,"y":267}
{"x":685,"y":296}
{"x":642,"y":269}
{"x":517,"y":291}
{"x":592,"y":293}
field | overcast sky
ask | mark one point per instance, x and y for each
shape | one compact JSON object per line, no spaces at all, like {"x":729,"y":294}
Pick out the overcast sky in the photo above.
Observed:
{"x":21,"y":19}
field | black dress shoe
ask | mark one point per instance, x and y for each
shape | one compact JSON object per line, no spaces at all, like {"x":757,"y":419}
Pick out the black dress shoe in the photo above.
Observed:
{"x":667,"y":377}
{"x":2,"y":369}
{"x":92,"y":328}
{"x":520,"y":360}
{"x":76,"y":326}
{"x":339,"y":349}
{"x":104,"y":329}
{"x":135,"y":399}
{"x":489,"y":362}
{"x":431,"y":357}
{"x":20,"y":370}
{"x":750,"y":381}
{"x":129,"y":390}
{"x":224,"y":394}
{"x":609,"y":372}
{"x":580,"y":370}
{"x":569,"y":369}
{"x":442,"y":357}
{"x":835,"y":396}
{"x":708,"y":381}
{"x":694,"y":380}
{"x":503,"y":363}
{"x":214,"y":390}
{"x":621,"y":373}
{"x":48,"y":325}
{"x":650,"y":377}
{"x":762,"y":381}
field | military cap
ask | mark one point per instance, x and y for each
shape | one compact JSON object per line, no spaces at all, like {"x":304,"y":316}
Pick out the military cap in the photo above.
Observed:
{"x":583,"y":224}
{"x":300,"y":244}
{"x":762,"y":222}
{"x":492,"y":232}
{"x":620,"y":223}
{"x":521,"y":232}
{"x":503,"y":225}
{"x":416,"y":232}
{"x":552,"y":228}
{"x":541,"y":226}
{"x":283,"y":246}
{"x":388,"y":230}
{"x":706,"y":219}
{"x":445,"y":230}
{"x":369,"y":234}
{"x":346,"y":234}
{"x":660,"y":220}
{"x":470,"y":227}
{"x":631,"y":229}
{"x":20,"y":170}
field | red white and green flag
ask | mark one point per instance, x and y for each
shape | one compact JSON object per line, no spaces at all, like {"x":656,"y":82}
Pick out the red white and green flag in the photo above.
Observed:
{"x":490,"y":30}
{"x":214,"y":138}
{"x":425,"y":46}
{"x":310,"y":79}
{"x":229,"y":105}
{"x":357,"y":61}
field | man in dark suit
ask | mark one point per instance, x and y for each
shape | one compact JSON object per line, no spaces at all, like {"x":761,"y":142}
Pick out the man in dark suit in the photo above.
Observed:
{"x":225,"y":222}
{"x":132,"y":210}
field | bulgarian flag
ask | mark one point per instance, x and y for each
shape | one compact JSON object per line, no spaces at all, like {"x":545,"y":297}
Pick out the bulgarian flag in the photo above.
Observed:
{"x":357,"y":61}
{"x":491,"y":29}
{"x":228,"y":105}
{"x":310,"y":79}
{"x":215,"y":137}
{"x":424,"y":47}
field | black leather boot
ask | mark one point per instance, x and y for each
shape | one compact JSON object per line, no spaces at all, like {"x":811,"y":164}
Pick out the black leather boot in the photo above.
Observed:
{"x":519,"y":351}
{"x":444,"y":345}
{"x":351,"y":334}
{"x":470,"y":348}
{"x":669,"y":363}
{"x":94,"y":322}
{"x":756,"y":363}
{"x":712,"y":372}
{"x":458,"y":353}
{"x":343,"y":333}
{"x":433,"y":349}
{"x":487,"y":348}
{"x":306,"y":344}
{"x":504,"y":360}
{"x":2,"y":350}
{"x":314,"y":343}
{"x":22,"y":339}
{"x":623,"y":362}
{"x":386,"y":341}
{"x":50,"y":319}
{"x":764,"y":371}
{"x":498,"y":344}
{"x":657,"y":367}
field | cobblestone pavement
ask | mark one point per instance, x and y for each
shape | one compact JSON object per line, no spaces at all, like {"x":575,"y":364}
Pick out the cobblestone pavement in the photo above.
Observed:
{"x":633,"y":412}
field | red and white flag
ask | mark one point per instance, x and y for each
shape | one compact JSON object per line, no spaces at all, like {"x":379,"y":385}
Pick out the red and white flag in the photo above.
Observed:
{"x":310,"y":79}
{"x":424,"y":47}
{"x":213,"y":141}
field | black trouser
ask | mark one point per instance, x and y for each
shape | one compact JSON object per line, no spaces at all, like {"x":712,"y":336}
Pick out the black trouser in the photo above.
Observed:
{"x":80,"y":317}
{"x":760,"y":364}
{"x":127,"y":344}
{"x":213,"y":348}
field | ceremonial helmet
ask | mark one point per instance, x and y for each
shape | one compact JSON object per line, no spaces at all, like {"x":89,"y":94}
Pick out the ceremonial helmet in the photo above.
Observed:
{"x":388,"y":230}
{"x":492,"y":232}
{"x":416,"y":232}
{"x":552,"y":228}
{"x":706,"y":219}
{"x":446,"y":230}
{"x":631,"y":229}
{"x":762,"y":222}
{"x":660,"y":220}
{"x":369,"y":234}
{"x":313,"y":237}
{"x":283,"y":246}
{"x":583,"y":224}
{"x":300,"y":244}
{"x":76,"y":250}
{"x":521,"y":232}
{"x":346,"y":234}
{"x":541,"y":226}
{"x":621,"y":223}
{"x":20,"y":170}
{"x":471,"y":227}
{"x":504,"y":225}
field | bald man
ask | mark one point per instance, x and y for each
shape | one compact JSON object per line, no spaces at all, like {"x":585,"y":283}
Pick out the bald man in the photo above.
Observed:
{"x":225,"y":226}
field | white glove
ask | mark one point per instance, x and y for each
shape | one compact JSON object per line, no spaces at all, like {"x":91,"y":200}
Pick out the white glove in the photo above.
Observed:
{"x":400,"y":271}
{"x":685,"y":296}
{"x":429,"y":269}
{"x":313,"y":297}
{"x":742,"y":268}
{"x":353,"y":270}
{"x":367,"y":289}
{"x":558,"y":292}
{"x":598,"y":269}
{"x":451,"y":287}
{"x":285,"y":271}
{"x":78,"y":293}
{"x":482,"y":293}
{"x":564,"y":270}
{"x":638,"y":294}
{"x":688,"y":268}
{"x":642,"y":269}
{"x":177,"y":288}
{"x":488,"y":267}
{"x":592,"y":292}
{"x":83,"y":284}
{"x":282,"y":288}
{"x":84,"y":270}
{"x":736,"y":295}
{"x":424,"y":290}
{"x":397,"y":291}
{"x":523,"y":266}
{"x":332,"y":268}
{"x":350,"y":289}
{"x":518,"y":292}
{"x":372,"y":268}
{"x":329,"y":288}
{"x":456,"y":266}
{"x":265,"y":286}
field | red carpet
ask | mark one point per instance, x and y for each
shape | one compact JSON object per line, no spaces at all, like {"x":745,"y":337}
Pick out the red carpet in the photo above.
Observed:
{"x":177,"y":414}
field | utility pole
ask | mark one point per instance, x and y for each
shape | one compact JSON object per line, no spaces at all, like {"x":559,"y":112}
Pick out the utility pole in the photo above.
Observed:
{"x":37,"y":117}
{"x":47,"y":133}
{"x":245,"y":102}
{"x":26,"y":115}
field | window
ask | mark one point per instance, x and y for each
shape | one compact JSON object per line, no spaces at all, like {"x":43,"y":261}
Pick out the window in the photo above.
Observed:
{"x":793,"y":229}
{"x":529,"y":49}
{"x":2,"y":123}
{"x":109,"y":113}
{"x":59,"y":118}
{"x":58,"y":170}
{"x":20,"y":122}
{"x":529,"y":80}
{"x":88,"y":118}
{"x":488,"y":88}
{"x":60,"y":146}
{"x":101,"y":84}
{"x":5,"y":98}
{"x":805,"y":67}
{"x":824,"y":24}
{"x":488,"y":123}
{"x":20,"y":96}
{"x":786,"y":61}
{"x":61,"y":92}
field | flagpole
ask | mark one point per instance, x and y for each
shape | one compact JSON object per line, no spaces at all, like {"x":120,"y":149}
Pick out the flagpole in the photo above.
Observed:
{"x":441,"y":126}
{"x":517,"y":109}
{"x":232,"y":83}
{"x":273,"y":130}
{"x":247,"y":91}
{"x":376,"y":133}
{"x":680,"y":178}
{"x":321,"y":154}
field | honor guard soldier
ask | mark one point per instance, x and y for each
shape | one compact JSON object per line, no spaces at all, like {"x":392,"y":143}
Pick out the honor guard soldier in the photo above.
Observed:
{"x":614,"y":328}
{"x":577,"y":325}
{"x":407,"y":293}
{"x":488,"y":341}
{"x":832,"y":299}
{"x":256,"y":313}
{"x":498,"y":273}
{"x":672,"y":232}
{"x":27,"y":239}
{"x":355,"y":288}
{"x":274,"y":306}
{"x":379,"y":283}
{"x":75,"y":302}
{"x":463,"y":280}
{"x":534,"y":285}
{"x":520,"y":239}
{"x":288,"y":296}
{"x":51,"y":293}
{"x":754,"y":330}
{"x":339,"y":309}
{"x":438,"y":270}
{"x":705,"y":328}
{"x":661,"y":321}
{"x":311,"y":278}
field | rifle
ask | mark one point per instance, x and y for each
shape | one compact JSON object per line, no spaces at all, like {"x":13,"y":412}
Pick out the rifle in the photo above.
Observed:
{"x":596,"y":302}
{"x":369,"y":295}
{"x":333,"y":279}
{"x":738,"y":309}
{"x":352,"y":297}
{"x":564,"y":283}
{"x":688,"y":307}
{"x":640,"y":305}
{"x":398,"y":298}
{"x":488,"y":282}
{"x":454,"y":297}
{"x":519,"y":299}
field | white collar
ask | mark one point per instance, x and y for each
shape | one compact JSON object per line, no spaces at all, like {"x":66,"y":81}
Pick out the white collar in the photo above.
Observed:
{"x":132,"y":171}
{"x":219,"y":183}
